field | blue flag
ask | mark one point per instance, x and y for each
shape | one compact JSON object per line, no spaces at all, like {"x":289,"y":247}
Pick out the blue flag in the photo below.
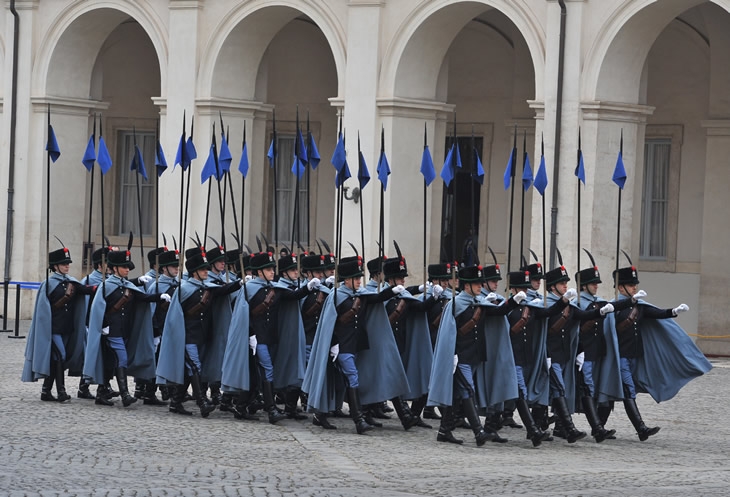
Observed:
{"x":447,"y":172}
{"x":104,"y":159}
{"x":190,"y":150}
{"x":312,"y":153}
{"x":89,"y":155}
{"x":580,"y":169}
{"x":243,"y":164}
{"x":300,"y":156}
{"x":339,"y":156}
{"x":270,"y":154}
{"x":619,"y":172}
{"x":363,"y":175}
{"x":160,"y":161}
{"x":527,"y":174}
{"x":479,"y":175}
{"x":209,"y":168}
{"x":383,"y":170}
{"x":427,"y":169}
{"x":52,"y":145}
{"x":181,"y":157}
{"x":508,"y":170}
{"x":224,"y":156}
{"x":541,"y":180}
{"x":342,"y":175}
{"x":138,"y":163}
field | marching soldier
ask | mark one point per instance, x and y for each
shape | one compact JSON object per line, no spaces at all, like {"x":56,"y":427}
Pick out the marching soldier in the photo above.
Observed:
{"x":657,"y":356}
{"x":57,"y":332}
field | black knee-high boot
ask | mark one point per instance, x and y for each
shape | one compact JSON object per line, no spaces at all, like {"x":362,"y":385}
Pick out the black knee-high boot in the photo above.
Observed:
{"x":560,"y":406}
{"x":290,"y":405}
{"x":470,"y":411}
{"x":404,"y":413}
{"x":127,"y":399}
{"x":275,"y":415}
{"x":416,"y":410}
{"x":46,"y":389}
{"x":446,"y":427}
{"x":205,"y":407}
{"x":597,"y":430}
{"x":177,"y":398}
{"x":353,"y":400}
{"x":632,"y":411}
{"x":534,"y":433}
{"x":61,"y":382}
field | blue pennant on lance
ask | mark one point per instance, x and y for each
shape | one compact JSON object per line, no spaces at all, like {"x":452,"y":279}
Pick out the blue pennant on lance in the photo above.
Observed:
{"x":104,"y":159}
{"x":479,"y":176}
{"x":181,"y":157}
{"x":138,"y":163}
{"x":527,"y":174}
{"x":508,"y":170}
{"x":89,"y":155}
{"x":270,"y":154}
{"x":339,"y":156}
{"x":224,"y":155}
{"x":619,"y":172}
{"x":342,"y":175}
{"x":243,"y":164}
{"x":160,"y":161}
{"x":209,"y":168}
{"x":363,"y":175}
{"x":312,"y":153}
{"x":541,"y":179}
{"x":52,"y":145}
{"x":580,"y":169}
{"x":383,"y":170}
{"x":447,"y":172}
{"x":427,"y":169}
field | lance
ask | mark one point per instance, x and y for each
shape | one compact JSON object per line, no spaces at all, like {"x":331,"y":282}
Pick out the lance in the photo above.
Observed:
{"x":359,"y":173}
{"x":295,"y":223}
{"x":512,"y":202}
{"x":228,"y":182}
{"x":89,"y":246}
{"x":425,"y":204}
{"x":139,"y":196}
{"x":577,"y":277}
{"x":472,"y":174}
{"x":183,"y":155}
{"x":48,"y":199}
{"x":187,"y":197}
{"x":341,"y":193}
{"x":618,"y":219}
{"x":544,"y":243}
{"x":452,"y":165}
{"x":101,"y":195}
{"x":218,"y":175}
{"x":276,"y":188}
{"x":338,"y":220}
{"x":307,"y":172}
{"x":157,"y":192}
{"x":522,"y":209}
{"x":243,"y":184}
{"x":381,"y":228}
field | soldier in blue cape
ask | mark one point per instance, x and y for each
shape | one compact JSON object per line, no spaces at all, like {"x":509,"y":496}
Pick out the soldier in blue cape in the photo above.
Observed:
{"x":657,"y":355}
{"x":57,"y":331}
{"x":528,"y":334}
{"x":189,"y":339}
{"x":441,"y":275}
{"x":460,"y":348}
{"x":562,"y":348}
{"x":409,"y":322}
{"x":276,"y":322}
{"x":120,"y":328}
{"x":599,"y":369}
{"x":353,"y":331}
{"x":165,"y":283}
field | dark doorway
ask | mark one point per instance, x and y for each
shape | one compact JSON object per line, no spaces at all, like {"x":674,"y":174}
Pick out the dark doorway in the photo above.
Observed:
{"x":462,"y":198}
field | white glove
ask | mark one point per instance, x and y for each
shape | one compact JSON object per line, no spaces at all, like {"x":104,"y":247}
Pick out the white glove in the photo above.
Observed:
{"x":335,"y":351}
{"x":639,"y":295}
{"x":144,"y":279}
{"x":456,"y":361}
{"x":570,"y":294}
{"x":606,"y":309}
{"x":519,"y":297}
{"x":252,"y":342}
{"x":398,"y":289}
{"x":165,"y":297}
{"x":313,"y":283}
{"x":247,"y":278}
{"x":330,"y":280}
{"x":549,"y":363}
{"x":156,"y":341}
{"x":422,"y":288}
{"x":437,"y":290}
{"x":579,"y":359}
{"x":680,"y":309}
{"x":105,"y":330}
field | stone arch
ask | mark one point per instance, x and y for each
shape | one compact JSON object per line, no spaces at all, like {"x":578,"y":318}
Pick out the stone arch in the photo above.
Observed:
{"x":245,"y":34}
{"x":615,"y":61}
{"x":414,"y":59}
{"x":69,"y":49}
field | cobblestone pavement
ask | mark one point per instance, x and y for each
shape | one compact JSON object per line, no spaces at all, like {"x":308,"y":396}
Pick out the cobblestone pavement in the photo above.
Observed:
{"x":78,"y":448}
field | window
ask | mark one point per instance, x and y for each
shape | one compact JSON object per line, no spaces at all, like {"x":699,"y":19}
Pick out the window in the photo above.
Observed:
{"x":655,"y":203}
{"x":128,"y":212}
{"x":286,"y":186}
